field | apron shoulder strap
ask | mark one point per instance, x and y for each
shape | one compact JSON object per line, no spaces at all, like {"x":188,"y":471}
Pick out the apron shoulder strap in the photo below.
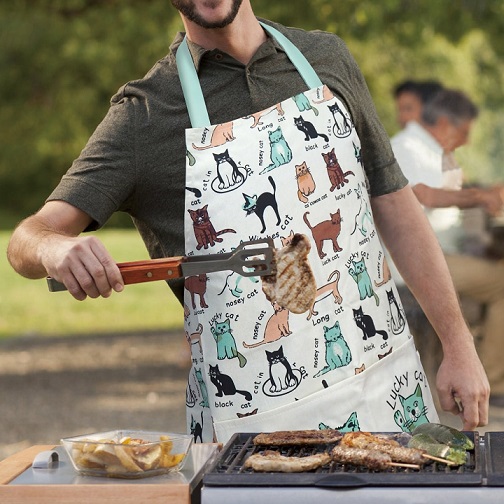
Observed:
{"x":195,"y":102}
{"x":191,"y":88}
{"x":296,"y":56}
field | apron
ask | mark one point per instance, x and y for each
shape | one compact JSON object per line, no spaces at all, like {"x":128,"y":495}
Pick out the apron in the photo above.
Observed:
{"x":349,"y":362}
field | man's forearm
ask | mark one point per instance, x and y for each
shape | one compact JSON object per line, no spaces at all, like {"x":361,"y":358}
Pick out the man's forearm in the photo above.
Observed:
{"x":24,"y":251}
{"x":417,"y":255}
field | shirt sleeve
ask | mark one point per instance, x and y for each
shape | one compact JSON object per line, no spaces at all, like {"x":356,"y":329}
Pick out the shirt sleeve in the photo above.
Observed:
{"x":382,"y":170}
{"x":101,"y":180}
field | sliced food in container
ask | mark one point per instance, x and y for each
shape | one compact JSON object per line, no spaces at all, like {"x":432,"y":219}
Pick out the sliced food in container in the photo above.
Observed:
{"x":128,"y":454}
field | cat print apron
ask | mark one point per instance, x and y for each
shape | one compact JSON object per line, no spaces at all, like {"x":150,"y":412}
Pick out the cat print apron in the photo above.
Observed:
{"x":347,"y":363}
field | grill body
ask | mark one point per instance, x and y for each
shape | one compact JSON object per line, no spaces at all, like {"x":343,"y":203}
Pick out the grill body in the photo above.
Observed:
{"x":482,"y":477}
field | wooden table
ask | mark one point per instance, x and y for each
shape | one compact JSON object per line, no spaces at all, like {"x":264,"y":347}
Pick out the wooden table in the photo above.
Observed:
{"x":110,"y":493}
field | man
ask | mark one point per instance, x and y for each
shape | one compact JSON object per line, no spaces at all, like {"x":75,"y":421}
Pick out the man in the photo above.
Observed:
{"x":424,"y":150}
{"x":409,"y":98}
{"x":234,"y":66}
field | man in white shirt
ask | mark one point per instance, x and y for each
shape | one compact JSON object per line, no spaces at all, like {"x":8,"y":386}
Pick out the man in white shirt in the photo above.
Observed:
{"x":409,"y":97}
{"x":424,"y":151}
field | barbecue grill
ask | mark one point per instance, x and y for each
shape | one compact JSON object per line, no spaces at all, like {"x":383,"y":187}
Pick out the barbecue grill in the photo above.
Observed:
{"x":482,"y":476}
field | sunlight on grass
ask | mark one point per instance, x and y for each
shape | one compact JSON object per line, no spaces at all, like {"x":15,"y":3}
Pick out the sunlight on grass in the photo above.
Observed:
{"x":28,"y":308}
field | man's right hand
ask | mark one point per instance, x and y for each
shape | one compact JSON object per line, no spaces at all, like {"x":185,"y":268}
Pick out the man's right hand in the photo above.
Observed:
{"x":48,"y":244}
{"x":83,"y":265}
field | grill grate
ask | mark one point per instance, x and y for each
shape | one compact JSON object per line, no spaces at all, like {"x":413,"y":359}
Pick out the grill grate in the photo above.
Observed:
{"x":228,"y":469}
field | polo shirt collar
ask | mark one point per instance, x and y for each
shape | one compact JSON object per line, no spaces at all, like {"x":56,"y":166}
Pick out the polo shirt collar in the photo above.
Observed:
{"x":270,"y":46}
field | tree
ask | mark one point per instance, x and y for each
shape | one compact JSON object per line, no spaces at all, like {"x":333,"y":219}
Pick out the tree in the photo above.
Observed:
{"x":62,"y":60}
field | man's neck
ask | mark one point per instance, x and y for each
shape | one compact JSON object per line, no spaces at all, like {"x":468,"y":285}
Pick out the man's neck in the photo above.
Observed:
{"x":240,"y":39}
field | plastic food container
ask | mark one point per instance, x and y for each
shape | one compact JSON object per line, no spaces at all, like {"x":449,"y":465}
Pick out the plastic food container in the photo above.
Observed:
{"x":128,"y":454}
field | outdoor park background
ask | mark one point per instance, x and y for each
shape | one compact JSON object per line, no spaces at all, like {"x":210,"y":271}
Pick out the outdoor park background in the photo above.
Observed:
{"x":62,"y":60}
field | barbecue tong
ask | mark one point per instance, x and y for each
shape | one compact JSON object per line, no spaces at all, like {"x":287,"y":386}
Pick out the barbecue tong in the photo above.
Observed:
{"x":250,"y":258}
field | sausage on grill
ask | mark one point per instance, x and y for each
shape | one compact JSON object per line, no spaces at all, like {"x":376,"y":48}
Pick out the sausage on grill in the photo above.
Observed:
{"x":372,"y":459}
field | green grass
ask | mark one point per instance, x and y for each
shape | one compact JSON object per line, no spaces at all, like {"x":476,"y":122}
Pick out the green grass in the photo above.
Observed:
{"x":28,"y":308}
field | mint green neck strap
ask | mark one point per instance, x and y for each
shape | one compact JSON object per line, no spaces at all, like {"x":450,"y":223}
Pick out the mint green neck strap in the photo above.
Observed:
{"x":193,"y":95}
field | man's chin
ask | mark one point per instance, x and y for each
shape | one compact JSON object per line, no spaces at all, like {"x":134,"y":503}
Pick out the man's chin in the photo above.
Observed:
{"x":210,"y":15}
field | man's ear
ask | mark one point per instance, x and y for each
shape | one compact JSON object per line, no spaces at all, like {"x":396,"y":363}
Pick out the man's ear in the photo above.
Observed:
{"x":443,"y":123}
{"x":442,"y":130}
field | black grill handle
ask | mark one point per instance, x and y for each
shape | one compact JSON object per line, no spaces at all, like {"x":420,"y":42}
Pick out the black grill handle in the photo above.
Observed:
{"x":341,"y":480}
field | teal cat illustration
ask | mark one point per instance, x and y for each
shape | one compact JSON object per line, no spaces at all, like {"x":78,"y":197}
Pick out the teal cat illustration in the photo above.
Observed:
{"x":203,"y":388}
{"x":280,"y":150}
{"x":303,"y":103}
{"x":351,"y":425}
{"x":190,"y":158}
{"x":414,"y":411}
{"x":337,"y":351}
{"x":361,"y":276}
{"x":226,"y":344}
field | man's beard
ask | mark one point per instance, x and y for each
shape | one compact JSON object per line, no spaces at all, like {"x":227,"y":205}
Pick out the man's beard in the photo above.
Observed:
{"x":188,"y":10}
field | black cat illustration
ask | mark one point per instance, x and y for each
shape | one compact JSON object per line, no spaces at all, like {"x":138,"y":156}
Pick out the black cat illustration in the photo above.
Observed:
{"x":308,"y":129}
{"x":258,"y":204}
{"x":225,"y":384}
{"x":366,"y":324}
{"x":342,"y":125}
{"x":228,"y":172}
{"x":358,"y":154}
{"x":195,"y":191}
{"x":197,"y":429}
{"x":397,"y":320}
{"x":280,"y":371}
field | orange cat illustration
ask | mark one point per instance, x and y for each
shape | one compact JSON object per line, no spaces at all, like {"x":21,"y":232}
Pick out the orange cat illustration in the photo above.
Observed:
{"x":259,"y":115}
{"x":305,"y":182}
{"x":276,"y":327}
{"x":326,"y":290}
{"x":222,"y":134}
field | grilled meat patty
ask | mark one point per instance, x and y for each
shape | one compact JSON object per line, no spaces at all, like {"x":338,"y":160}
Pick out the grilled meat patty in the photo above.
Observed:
{"x":293,"y":286}
{"x":272,"y":461}
{"x":298,"y":437}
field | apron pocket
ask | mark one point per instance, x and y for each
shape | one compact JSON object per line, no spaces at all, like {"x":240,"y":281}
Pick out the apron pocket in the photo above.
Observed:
{"x":390,"y":396}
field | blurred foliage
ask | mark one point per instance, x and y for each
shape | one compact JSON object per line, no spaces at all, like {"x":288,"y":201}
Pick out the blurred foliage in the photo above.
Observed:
{"x":61,"y":60}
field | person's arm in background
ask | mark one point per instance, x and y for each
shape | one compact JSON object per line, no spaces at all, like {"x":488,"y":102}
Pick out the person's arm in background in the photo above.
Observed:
{"x":48,"y":244}
{"x":489,"y":199}
{"x":413,"y":246}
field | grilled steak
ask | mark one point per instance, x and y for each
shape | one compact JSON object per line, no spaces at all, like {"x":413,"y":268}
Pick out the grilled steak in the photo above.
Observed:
{"x":293,"y":285}
{"x":298,"y":437}
{"x":272,"y":461}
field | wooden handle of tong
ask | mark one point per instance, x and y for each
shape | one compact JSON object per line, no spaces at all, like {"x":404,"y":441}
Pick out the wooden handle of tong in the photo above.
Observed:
{"x":139,"y":271}
{"x":151,"y":270}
